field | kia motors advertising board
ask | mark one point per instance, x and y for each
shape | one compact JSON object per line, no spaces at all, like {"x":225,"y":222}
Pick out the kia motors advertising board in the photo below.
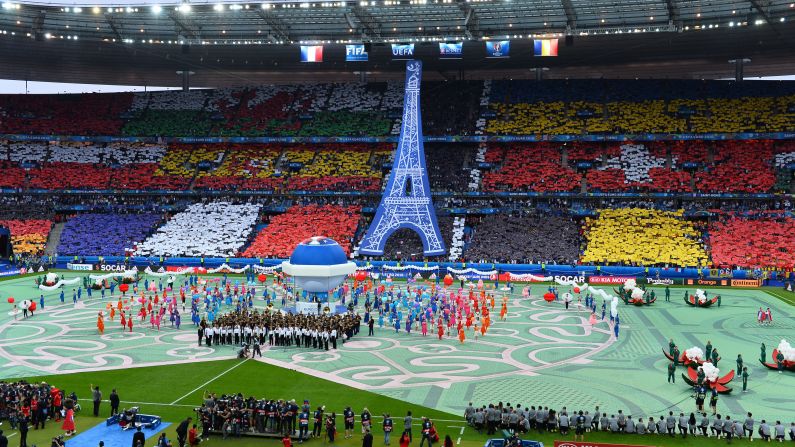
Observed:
{"x":609,"y":279}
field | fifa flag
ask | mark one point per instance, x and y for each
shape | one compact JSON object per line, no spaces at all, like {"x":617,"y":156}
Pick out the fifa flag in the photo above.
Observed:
{"x":545,"y":47}
{"x":311,"y":53}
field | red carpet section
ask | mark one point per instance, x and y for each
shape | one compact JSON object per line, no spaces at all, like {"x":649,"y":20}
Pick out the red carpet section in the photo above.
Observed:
{"x":28,"y":236}
{"x":752,"y":243}
{"x":301,"y":222}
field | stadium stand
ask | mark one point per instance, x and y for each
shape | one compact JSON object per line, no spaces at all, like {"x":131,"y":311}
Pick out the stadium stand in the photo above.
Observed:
{"x":622,"y":106}
{"x":529,"y":168}
{"x":285,"y":231}
{"x":753,"y":242}
{"x":105,"y":234}
{"x":642,"y":237}
{"x":28,"y":236}
{"x":406,"y":245}
{"x":85,"y":114}
{"x":216,"y":228}
{"x":534,"y":238}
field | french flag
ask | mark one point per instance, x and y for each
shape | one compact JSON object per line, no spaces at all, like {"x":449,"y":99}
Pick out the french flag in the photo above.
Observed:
{"x":311,"y":53}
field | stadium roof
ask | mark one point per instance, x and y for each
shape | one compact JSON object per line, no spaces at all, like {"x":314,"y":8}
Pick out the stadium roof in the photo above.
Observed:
{"x":133,"y":42}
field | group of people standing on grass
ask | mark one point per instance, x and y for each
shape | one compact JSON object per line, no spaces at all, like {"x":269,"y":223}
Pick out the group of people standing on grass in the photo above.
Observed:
{"x":235,"y":415}
{"x":520,"y":419}
{"x":256,"y":328}
{"x":29,"y":406}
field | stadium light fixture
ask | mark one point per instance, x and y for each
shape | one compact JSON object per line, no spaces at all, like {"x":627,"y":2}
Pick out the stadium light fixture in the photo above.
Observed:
{"x":96,"y":10}
{"x":218,"y":7}
{"x":235,"y":7}
{"x":77,"y":10}
{"x":157,"y":9}
{"x":782,"y":19}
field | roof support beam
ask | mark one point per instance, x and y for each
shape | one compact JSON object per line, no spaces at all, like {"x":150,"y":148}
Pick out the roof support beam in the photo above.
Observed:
{"x":673,"y":10}
{"x":370,"y":24}
{"x":279,"y":28}
{"x":571,"y":14}
{"x":38,"y":25}
{"x":116,"y":27}
{"x":471,"y":22}
{"x":761,"y":7}
{"x":185,"y":26}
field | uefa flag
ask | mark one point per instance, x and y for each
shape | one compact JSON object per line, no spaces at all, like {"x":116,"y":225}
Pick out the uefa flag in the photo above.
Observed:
{"x":545,"y":47}
{"x":311,"y":53}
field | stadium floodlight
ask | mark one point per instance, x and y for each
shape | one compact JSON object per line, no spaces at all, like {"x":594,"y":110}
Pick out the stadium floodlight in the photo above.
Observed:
{"x":218,"y":7}
{"x":157,"y":9}
{"x":235,"y":7}
{"x":184,"y":8}
{"x":77,"y":10}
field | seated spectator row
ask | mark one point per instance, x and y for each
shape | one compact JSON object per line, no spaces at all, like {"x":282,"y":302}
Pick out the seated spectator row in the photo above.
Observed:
{"x":750,"y":114}
{"x":743,"y":166}
{"x":203,"y":229}
{"x":28,"y":236}
{"x":523,"y":238}
{"x":643,"y":237}
{"x":285,"y":231}
{"x":448,"y":108}
{"x":105,"y":234}
{"x":753,"y":243}
{"x":750,"y":166}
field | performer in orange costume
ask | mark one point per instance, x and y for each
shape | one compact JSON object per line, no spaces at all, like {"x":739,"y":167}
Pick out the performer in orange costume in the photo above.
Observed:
{"x":461,"y":335}
{"x":100,"y":324}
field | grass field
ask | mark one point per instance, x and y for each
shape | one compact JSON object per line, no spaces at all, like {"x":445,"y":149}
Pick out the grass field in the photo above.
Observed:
{"x":542,"y":354}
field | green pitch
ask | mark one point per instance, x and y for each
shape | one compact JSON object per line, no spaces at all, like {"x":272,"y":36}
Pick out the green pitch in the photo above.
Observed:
{"x":542,"y":355}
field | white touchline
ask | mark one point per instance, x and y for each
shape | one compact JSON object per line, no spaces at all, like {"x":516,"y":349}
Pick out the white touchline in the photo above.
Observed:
{"x":208,"y":382}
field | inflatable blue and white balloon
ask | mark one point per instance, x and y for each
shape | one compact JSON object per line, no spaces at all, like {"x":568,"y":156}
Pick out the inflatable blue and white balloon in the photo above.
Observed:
{"x":318,"y":265}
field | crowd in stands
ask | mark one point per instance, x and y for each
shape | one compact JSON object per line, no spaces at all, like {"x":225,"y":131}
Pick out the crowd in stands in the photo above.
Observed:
{"x":216,"y":228}
{"x":28,"y":236}
{"x":447,"y":166}
{"x":645,"y":237}
{"x":693,"y":166}
{"x":654,"y":106}
{"x":285,"y":231}
{"x":93,"y":234}
{"x":753,"y":242}
{"x":406,"y":245}
{"x":524,"y":238}
{"x":534,"y":168}
{"x":448,"y":108}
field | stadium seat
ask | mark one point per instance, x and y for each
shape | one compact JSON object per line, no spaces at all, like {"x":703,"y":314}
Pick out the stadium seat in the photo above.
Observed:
{"x":286,"y":230}
{"x":642,"y":237}
{"x":105,"y":234}
{"x":212,"y":229}
{"x":28,"y":236}
{"x":753,"y":243}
